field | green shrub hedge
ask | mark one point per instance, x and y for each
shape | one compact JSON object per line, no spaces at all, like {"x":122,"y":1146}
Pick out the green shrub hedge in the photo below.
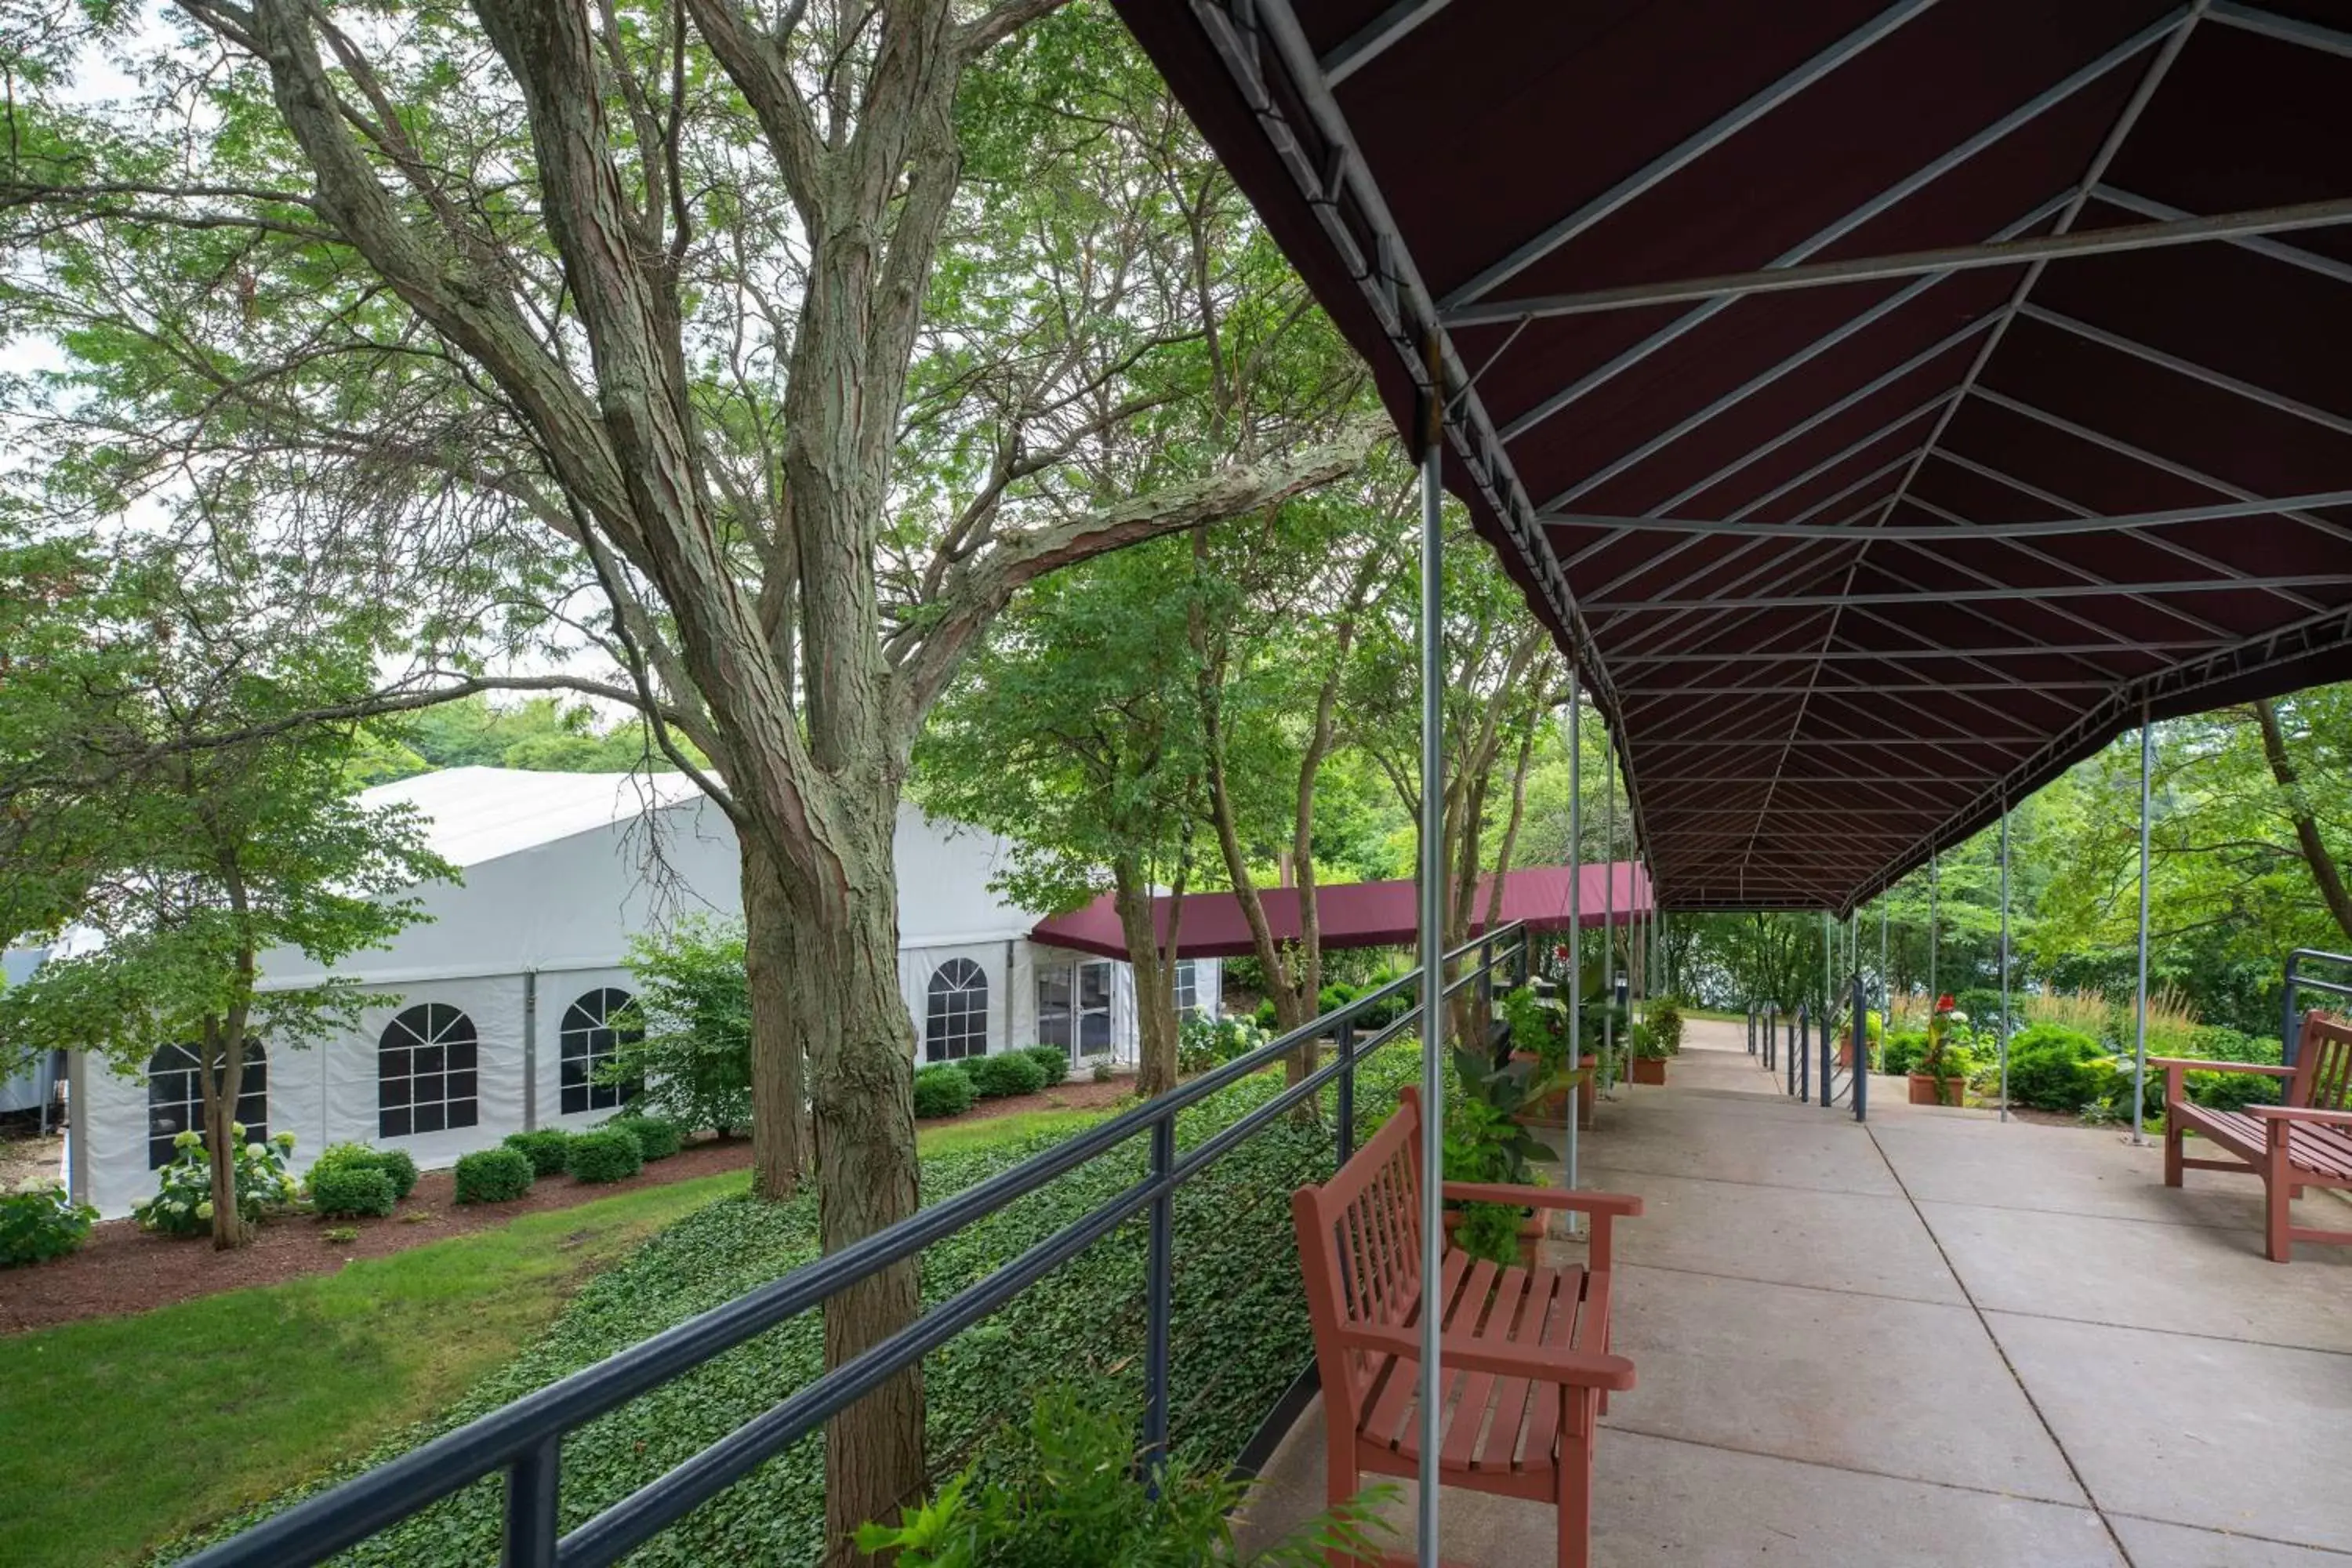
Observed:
{"x":1053,"y":1059}
{"x":607,"y":1154}
{"x":2052,"y":1068}
{"x":544,"y":1148}
{"x":1001,"y":1077}
{"x":1903,"y":1050}
{"x":494,"y":1176}
{"x":942,"y":1090}
{"x":1239,"y":1336}
{"x":657,"y":1137}
{"x":397,"y":1164}
{"x":347,"y":1191}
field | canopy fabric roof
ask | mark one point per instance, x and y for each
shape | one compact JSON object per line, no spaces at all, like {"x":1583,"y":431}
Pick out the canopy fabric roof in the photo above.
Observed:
{"x":472,"y":815}
{"x":1353,"y":914}
{"x":1888,"y":403}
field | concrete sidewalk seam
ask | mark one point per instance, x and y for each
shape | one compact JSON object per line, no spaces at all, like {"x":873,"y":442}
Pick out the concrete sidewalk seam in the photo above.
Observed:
{"x":1611,"y":1424}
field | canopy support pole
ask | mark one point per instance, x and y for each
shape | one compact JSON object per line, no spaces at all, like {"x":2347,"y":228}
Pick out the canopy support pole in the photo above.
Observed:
{"x":1934,"y":857}
{"x":1609,"y":913}
{"x":2005,"y":961}
{"x":1432,"y":944}
{"x":2139,"y":1030}
{"x":1575,"y":920}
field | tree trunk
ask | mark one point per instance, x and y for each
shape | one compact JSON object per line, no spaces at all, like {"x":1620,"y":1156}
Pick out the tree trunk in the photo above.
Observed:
{"x":840,"y":968}
{"x":1155,"y":991}
{"x":779,"y":1100}
{"x":2325,"y":871}
{"x":221,"y":1075}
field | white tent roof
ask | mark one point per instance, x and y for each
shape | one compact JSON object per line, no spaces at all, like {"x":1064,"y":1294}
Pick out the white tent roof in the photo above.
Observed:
{"x":476,"y":814}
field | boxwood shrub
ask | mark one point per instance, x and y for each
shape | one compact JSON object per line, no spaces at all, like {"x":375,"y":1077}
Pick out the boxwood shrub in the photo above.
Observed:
{"x":1053,"y":1059}
{"x":1001,"y":1076}
{"x":1240,"y":1337}
{"x":544,"y":1148}
{"x":607,"y":1154}
{"x":2052,"y":1068}
{"x":347,"y":1191}
{"x":942,"y":1090}
{"x":657,"y":1137}
{"x":494,"y":1176}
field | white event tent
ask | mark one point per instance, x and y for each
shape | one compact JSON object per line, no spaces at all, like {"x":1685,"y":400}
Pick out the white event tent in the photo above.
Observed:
{"x":491,"y":1017}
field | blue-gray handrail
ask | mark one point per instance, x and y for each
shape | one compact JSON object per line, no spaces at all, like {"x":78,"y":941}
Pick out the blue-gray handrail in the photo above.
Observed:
{"x":2290,"y":1035}
{"x":524,"y":1439}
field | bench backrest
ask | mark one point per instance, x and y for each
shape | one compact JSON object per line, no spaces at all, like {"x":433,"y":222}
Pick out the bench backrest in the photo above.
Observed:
{"x":1360,"y":1250}
{"x":2322,"y":1063}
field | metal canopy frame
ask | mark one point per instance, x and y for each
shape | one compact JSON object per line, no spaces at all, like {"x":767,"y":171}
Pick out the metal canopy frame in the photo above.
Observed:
{"x":1939,"y":474}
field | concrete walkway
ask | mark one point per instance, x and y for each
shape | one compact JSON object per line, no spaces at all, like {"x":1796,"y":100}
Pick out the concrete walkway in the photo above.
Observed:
{"x":1933,"y":1339}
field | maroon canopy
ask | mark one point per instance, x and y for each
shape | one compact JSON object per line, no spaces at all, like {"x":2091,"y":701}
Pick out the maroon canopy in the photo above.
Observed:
{"x":1355,"y":914}
{"x":1995,"y":393}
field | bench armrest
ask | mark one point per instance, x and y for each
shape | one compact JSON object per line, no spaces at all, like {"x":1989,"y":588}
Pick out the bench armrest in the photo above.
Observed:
{"x":1543,"y":1197}
{"x":2301,"y":1113}
{"x":2186,"y":1064}
{"x":1497,"y":1358}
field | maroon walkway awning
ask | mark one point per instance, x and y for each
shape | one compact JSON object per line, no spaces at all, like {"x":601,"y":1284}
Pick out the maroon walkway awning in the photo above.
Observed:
{"x":1354,"y":914}
{"x":1889,"y":401}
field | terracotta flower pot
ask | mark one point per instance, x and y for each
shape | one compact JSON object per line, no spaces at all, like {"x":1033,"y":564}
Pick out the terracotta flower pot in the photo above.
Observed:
{"x":1928,"y":1089}
{"x":1650,"y":1070}
{"x":1845,"y":1052}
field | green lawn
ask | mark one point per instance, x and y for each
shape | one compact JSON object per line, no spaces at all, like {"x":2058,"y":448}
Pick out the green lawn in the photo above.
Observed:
{"x":122,"y":1433}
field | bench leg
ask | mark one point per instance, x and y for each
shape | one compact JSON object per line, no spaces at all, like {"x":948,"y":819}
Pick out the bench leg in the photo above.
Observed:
{"x":1341,"y":1481}
{"x":2173,"y":1140}
{"x":1576,"y":1480}
{"x":2278,"y":1187}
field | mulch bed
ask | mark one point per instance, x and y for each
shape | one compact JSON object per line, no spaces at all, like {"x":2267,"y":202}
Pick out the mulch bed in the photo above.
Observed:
{"x":122,"y":1269}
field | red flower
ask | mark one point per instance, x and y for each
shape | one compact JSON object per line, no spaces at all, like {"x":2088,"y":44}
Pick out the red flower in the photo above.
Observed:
{"x":1944,"y":1003}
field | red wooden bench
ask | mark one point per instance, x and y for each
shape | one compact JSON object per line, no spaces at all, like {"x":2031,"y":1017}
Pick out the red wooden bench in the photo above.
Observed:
{"x":2305,"y":1140}
{"x":1525,"y":1349}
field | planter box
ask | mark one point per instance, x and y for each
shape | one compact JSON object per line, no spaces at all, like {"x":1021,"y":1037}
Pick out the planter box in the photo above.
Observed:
{"x":1588,"y":1091}
{"x":1552,"y":1109}
{"x":1926,"y":1090}
{"x":1650,"y":1070}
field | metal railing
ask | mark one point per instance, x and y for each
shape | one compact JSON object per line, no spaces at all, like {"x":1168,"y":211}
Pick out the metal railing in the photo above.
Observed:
{"x":2298,"y":983}
{"x":1800,"y":1048}
{"x":524,"y":1439}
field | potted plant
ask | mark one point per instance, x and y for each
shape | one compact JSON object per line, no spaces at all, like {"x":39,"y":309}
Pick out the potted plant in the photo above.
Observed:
{"x":1872,"y":1027}
{"x":1485,"y":1142}
{"x":1539,"y":1044}
{"x":1941,"y":1074}
{"x":1650,"y":1051}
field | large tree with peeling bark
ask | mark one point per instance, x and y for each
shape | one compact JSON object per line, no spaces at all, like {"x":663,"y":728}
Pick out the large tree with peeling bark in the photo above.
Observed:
{"x":770,"y":346}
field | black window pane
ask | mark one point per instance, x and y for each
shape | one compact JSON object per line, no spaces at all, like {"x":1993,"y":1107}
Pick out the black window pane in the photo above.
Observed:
{"x":461,"y":1052}
{"x":428,"y":1118}
{"x":461,"y":1114}
{"x":430,"y":1088}
{"x":574,"y":1071}
{"x":575,"y":1099}
{"x":428,"y":1060}
{"x":392,"y":1093}
{"x":392,"y":1062}
{"x":461,"y":1086}
{"x":392,"y":1124}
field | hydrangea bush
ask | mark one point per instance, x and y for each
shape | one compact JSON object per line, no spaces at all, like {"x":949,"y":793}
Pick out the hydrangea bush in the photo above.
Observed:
{"x":38,"y":1222}
{"x":182,"y":1203}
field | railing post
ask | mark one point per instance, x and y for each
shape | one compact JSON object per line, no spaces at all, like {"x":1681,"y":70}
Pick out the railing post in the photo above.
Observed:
{"x":1805,"y":1054}
{"x":532,"y":1485}
{"x":1346,"y":1089}
{"x":1829,"y":1058}
{"x":1486,"y":986}
{"x":2288,"y":1034}
{"x":1160,"y":1289}
{"x":1861,"y":1049}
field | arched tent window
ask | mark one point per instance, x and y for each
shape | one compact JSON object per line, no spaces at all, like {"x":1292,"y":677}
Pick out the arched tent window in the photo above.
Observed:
{"x":956,"y":1023}
{"x":425,"y":1072}
{"x":587,"y":1043}
{"x":176,"y":1099}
